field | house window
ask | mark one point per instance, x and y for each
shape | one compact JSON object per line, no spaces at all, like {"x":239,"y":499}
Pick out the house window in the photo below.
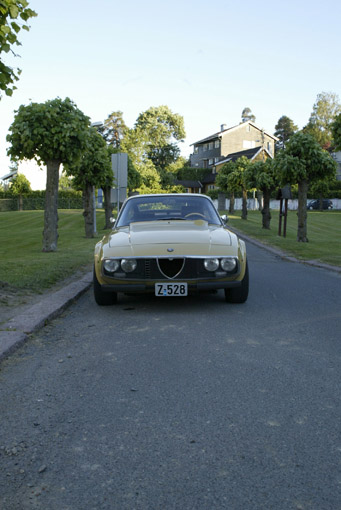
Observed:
{"x":248,"y":128}
{"x":210,"y":161}
{"x":269,"y":147}
{"x":216,"y":144}
{"x":216,"y":160}
{"x":248,"y":144}
{"x":210,"y":146}
{"x":205,"y":147}
{"x":196,"y":150}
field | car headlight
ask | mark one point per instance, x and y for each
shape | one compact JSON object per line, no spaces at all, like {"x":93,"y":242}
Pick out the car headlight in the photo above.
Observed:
{"x":111,"y":265}
{"x":128,"y":265}
{"x":211,"y":264}
{"x":228,"y":265}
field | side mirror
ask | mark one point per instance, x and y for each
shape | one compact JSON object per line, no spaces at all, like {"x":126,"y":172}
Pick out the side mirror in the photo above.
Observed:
{"x":224,"y":218}
{"x":112,"y":221}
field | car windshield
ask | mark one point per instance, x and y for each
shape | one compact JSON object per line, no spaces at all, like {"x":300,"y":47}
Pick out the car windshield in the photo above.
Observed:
{"x":160,"y":208}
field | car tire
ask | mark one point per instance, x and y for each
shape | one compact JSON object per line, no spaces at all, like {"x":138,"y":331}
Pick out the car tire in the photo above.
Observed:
{"x":103,"y":298}
{"x":239,"y":294}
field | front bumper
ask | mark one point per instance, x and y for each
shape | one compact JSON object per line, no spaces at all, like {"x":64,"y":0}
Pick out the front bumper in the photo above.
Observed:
{"x":192,"y":287}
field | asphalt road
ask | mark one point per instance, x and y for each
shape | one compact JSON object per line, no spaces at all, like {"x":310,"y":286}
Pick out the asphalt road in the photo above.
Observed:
{"x":181,"y":403}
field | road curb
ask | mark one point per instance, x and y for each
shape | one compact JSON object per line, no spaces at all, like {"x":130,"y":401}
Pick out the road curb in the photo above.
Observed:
{"x":17,"y":330}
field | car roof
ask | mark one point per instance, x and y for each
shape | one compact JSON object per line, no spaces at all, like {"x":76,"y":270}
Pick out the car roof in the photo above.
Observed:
{"x":201,"y":195}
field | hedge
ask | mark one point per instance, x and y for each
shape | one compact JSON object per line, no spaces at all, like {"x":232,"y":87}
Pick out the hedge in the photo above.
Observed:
{"x":35,"y":200}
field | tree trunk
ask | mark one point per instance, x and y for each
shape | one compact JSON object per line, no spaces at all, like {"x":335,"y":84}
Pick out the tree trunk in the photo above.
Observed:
{"x":231,"y":208}
{"x":266,"y":214}
{"x":302,"y":212}
{"x":260,"y":200}
{"x":50,"y":232}
{"x":244,"y":210}
{"x":21,"y":203}
{"x":88,"y":212}
{"x":107,"y":206}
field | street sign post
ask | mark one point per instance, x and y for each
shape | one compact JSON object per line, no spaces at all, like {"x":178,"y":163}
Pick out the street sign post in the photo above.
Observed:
{"x":119,"y":164}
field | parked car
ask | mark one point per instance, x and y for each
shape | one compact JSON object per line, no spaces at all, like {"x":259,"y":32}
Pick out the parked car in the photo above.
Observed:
{"x":315,"y":204}
{"x":170,"y":245}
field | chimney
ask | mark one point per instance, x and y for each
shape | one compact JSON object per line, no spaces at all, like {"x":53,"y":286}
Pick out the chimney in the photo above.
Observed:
{"x":223,"y":127}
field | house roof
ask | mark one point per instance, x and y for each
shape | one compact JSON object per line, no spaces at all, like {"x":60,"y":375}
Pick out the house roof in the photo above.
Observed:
{"x":220,"y":133}
{"x":249,"y":153}
{"x":209,"y":178}
{"x":13,"y":173}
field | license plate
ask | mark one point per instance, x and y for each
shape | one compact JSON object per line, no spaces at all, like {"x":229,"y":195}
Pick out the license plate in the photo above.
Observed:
{"x":170,"y":289}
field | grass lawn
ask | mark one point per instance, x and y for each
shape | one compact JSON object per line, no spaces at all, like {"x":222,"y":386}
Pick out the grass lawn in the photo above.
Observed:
{"x":324,"y":234}
{"x":23,"y":264}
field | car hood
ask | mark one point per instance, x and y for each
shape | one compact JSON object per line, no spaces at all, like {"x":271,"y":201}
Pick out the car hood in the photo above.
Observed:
{"x":183,"y":237}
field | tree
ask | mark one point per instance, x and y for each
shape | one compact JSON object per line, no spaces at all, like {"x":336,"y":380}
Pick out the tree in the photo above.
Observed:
{"x":336,"y":132}
{"x":113,"y":129}
{"x":52,"y":133}
{"x":326,"y":107}
{"x":303,"y":162}
{"x":159,"y":129}
{"x":233,"y":179}
{"x":19,"y":186}
{"x":14,"y":15}
{"x":247,"y":115}
{"x":262,"y":175}
{"x":223,"y":184}
{"x":284,"y":129}
{"x":92,"y":170}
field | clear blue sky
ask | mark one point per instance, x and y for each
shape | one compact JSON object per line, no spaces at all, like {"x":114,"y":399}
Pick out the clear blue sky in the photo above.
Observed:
{"x":206,"y":61}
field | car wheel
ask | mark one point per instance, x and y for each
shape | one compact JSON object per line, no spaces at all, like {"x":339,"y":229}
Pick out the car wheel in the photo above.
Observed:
{"x":239,"y":294}
{"x":103,"y":298}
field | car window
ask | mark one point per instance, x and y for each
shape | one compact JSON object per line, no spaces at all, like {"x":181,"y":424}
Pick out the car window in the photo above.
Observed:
{"x":149,"y":208}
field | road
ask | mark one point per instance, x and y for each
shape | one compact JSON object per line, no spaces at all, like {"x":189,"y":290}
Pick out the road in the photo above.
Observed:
{"x":181,"y":403}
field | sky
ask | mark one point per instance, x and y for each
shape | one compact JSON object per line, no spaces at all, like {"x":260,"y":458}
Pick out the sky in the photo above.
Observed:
{"x":205,"y":61}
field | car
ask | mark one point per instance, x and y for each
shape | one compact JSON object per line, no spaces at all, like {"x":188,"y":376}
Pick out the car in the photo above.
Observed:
{"x":170,"y":245}
{"x":315,"y":204}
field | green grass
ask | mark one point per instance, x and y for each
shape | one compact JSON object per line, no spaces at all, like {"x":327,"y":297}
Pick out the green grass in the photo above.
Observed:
{"x":324,"y":234}
{"x":23,"y":264}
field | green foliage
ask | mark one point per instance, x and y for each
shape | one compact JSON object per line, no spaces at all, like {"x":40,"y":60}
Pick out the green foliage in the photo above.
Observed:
{"x":113,"y":129}
{"x":192,"y":173}
{"x":14,"y":15}
{"x":303,"y":159}
{"x":52,"y":131}
{"x":65,"y":182}
{"x":336,"y":132}
{"x":20,"y":184}
{"x":213,"y":193}
{"x":262,"y":176}
{"x":158,"y":129}
{"x":94,"y":166}
{"x":284,"y":129}
{"x":222,"y":176}
{"x":326,"y":107}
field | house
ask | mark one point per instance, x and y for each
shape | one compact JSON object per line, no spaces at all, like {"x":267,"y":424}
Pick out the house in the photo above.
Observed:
{"x":190,"y":186}
{"x":255,"y":154}
{"x":211,"y":150}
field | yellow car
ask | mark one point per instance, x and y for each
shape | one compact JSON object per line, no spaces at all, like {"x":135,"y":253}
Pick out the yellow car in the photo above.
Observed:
{"x":171,"y":245}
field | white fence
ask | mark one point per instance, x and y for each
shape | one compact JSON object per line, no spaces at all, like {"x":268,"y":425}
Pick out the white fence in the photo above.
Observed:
{"x":253,"y":204}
